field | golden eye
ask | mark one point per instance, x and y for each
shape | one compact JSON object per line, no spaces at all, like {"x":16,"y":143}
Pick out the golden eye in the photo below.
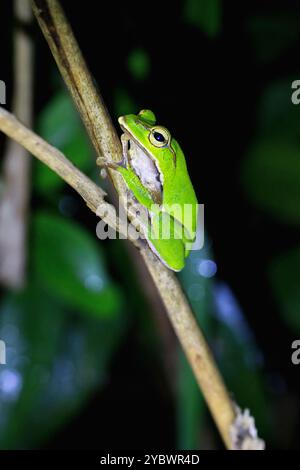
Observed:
{"x":159,"y":136}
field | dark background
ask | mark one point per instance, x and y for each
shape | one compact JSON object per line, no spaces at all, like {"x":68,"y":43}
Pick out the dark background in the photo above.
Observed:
{"x":219,"y":77}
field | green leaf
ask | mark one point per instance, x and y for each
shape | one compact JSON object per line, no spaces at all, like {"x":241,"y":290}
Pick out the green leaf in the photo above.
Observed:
{"x":190,"y":402}
{"x":239,"y":358}
{"x":223,"y":324}
{"x":54,"y":362}
{"x":205,"y":14}
{"x":123,"y":103}
{"x":277,"y":114}
{"x":139,"y":63}
{"x":273,"y":34}
{"x":31,"y":326}
{"x":239,"y":371}
{"x":190,"y":407}
{"x":284,"y":274}
{"x":69,"y":263}
{"x":271,"y":175}
{"x":60,"y":125}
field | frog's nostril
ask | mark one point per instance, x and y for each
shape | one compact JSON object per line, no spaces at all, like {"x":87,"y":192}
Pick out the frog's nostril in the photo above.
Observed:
{"x":128,"y":144}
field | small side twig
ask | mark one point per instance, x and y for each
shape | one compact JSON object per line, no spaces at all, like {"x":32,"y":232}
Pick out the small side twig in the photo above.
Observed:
{"x":92,"y":194}
{"x":14,"y":199}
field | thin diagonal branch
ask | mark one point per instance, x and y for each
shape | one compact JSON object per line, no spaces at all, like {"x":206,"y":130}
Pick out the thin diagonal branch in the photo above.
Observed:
{"x":92,"y":194}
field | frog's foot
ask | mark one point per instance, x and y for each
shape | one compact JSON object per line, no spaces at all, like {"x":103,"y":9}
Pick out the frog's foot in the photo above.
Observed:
{"x":104,"y":162}
{"x":103,"y":173}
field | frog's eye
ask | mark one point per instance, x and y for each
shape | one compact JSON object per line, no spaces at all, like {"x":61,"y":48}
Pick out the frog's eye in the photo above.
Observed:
{"x":159,"y":136}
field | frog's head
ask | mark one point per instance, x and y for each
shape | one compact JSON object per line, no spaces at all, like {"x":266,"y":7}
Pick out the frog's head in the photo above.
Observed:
{"x":156,"y":141}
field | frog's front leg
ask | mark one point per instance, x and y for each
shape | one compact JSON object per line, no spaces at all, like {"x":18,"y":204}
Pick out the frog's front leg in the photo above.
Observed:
{"x":104,"y":162}
{"x":140,"y":192}
{"x":131,"y":179}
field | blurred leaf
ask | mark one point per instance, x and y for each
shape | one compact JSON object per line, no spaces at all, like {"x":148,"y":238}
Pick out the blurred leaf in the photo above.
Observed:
{"x":239,"y":358}
{"x":60,"y":125}
{"x":68,"y":261}
{"x":198,"y":288}
{"x":190,"y":407}
{"x":190,"y":402}
{"x":53,"y":364}
{"x":284,"y":272}
{"x":237,"y":354}
{"x":271,"y":175}
{"x":246,"y":381}
{"x":272,"y":34}
{"x":31,"y":327}
{"x":277,"y":114}
{"x":206,"y":14}
{"x":139,"y":63}
{"x":123,"y":103}
{"x":136,"y":298}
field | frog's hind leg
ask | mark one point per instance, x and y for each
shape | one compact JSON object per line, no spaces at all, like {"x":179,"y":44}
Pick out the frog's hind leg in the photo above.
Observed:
{"x":164,"y":242}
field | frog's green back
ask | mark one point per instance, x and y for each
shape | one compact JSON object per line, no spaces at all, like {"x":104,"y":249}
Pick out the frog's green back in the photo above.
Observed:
{"x":179,"y":193}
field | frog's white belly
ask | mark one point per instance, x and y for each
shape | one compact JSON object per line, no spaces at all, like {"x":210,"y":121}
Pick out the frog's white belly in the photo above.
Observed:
{"x":145,"y":169}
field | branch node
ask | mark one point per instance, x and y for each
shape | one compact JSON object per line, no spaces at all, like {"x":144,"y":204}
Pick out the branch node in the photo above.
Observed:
{"x":243,"y":432}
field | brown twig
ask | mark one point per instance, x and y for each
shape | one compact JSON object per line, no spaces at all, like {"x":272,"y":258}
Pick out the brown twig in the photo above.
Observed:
{"x":16,"y":169}
{"x":72,"y":66}
{"x":92,"y":194}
